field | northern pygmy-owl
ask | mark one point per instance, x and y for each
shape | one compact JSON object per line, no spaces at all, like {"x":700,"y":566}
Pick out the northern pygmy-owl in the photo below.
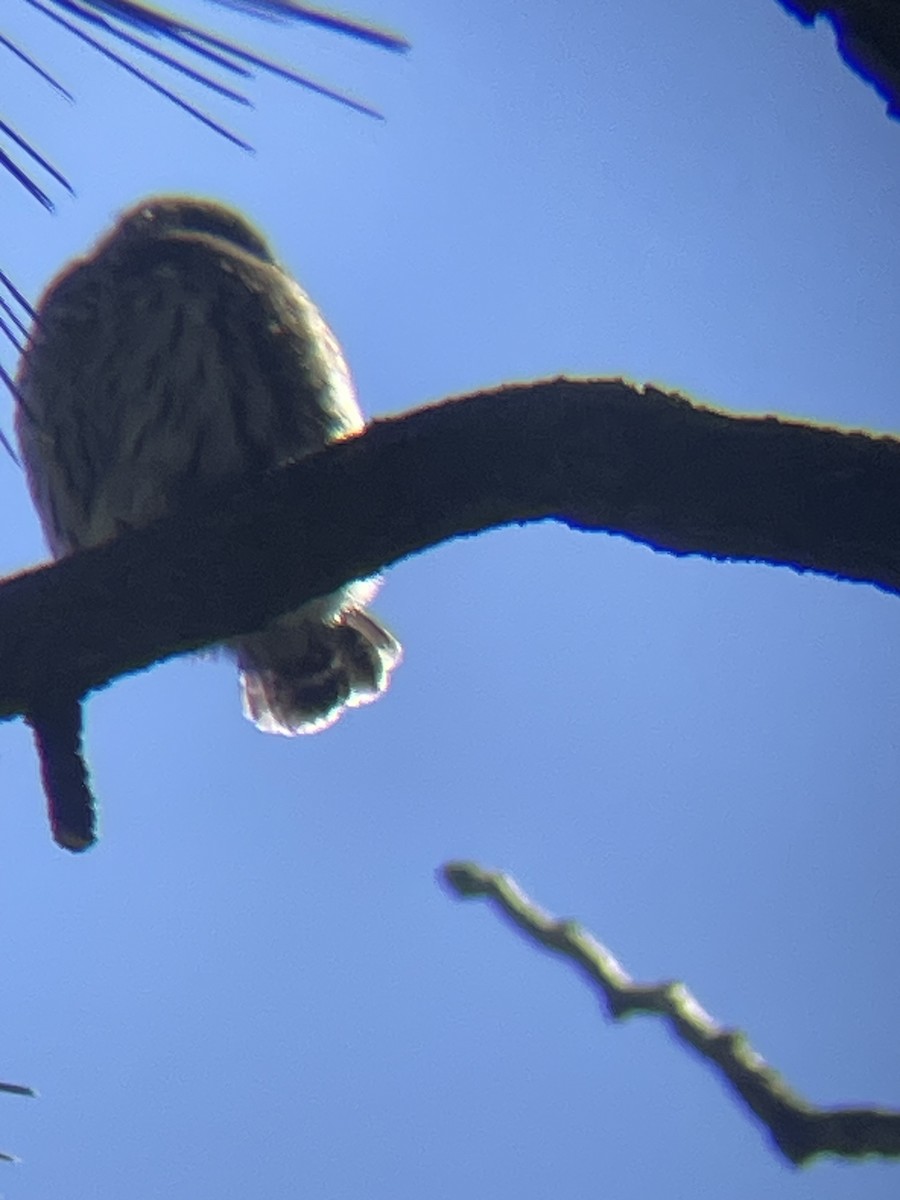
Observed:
{"x":176,"y":355}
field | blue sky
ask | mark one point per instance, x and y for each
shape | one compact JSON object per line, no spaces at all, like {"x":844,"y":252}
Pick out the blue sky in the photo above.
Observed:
{"x":253,"y":985}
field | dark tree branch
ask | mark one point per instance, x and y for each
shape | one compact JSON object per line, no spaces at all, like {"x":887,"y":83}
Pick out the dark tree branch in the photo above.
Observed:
{"x":594,"y":454}
{"x":868,"y":38}
{"x":71,"y":807}
{"x":799,"y":1130}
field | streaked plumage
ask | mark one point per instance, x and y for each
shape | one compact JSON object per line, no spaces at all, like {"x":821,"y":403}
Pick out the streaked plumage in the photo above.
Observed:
{"x":176,"y":355}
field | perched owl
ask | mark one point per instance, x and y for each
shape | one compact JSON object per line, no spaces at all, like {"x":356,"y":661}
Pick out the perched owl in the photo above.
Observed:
{"x":176,"y":355}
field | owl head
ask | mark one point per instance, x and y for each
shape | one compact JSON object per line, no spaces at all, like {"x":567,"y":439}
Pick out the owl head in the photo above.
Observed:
{"x":162,"y":216}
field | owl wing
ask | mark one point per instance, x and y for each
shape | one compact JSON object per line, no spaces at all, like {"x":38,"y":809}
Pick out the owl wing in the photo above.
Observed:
{"x":162,"y":367}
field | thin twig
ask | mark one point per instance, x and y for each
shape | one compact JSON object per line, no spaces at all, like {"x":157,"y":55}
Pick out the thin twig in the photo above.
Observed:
{"x":800,"y":1130}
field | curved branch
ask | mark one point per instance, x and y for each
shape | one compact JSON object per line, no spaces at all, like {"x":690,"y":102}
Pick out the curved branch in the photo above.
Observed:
{"x":593,"y":454}
{"x":800,"y":1130}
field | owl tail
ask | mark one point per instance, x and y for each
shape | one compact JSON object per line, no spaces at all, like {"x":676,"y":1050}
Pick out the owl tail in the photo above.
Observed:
{"x":299,"y":674}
